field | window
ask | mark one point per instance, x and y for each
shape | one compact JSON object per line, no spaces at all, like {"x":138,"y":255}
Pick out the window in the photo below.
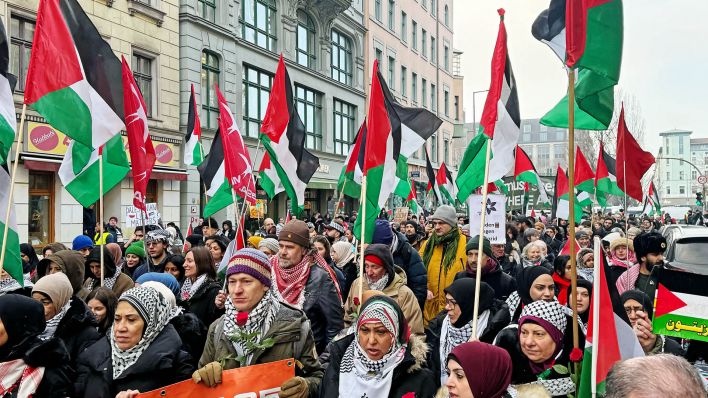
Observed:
{"x":40,"y":220}
{"x":344,"y":114}
{"x":543,"y":128}
{"x":404,"y":26}
{"x":424,"y":43}
{"x":680,"y":149}
{"x":543,"y":137}
{"x":258,"y":19}
{"x":559,"y":151}
{"x":391,"y":17}
{"x":414,"y":34}
{"x":527,"y":128}
{"x":446,"y":58}
{"x":305,"y":40}
{"x":424,"y":3}
{"x":668,"y":190}
{"x":404,"y":85}
{"x":668,"y":175}
{"x":457,"y":107}
{"x":433,"y":50}
{"x":694,"y":175}
{"x":142,"y":72}
{"x":256,"y":92}
{"x":21,"y":34}
{"x":391,"y":72}
{"x":446,"y":15}
{"x":446,"y":102}
{"x":433,"y":97}
{"x":210,"y":75}
{"x":527,"y":138}
{"x":446,"y":152}
{"x":207,"y":9}
{"x":414,"y":87}
{"x":377,"y":10}
{"x":681,"y":175}
{"x":309,"y":106}
{"x":424,"y":94}
{"x":379,"y":55}
{"x":434,"y":148}
{"x":682,"y":189}
{"x":434,"y":7}
{"x":341,"y":58}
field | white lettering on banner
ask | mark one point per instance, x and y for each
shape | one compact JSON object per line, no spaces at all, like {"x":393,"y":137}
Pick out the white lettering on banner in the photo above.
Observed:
{"x":133,"y":218}
{"x":269,"y":393}
{"x":495,"y":220}
{"x":323,"y":168}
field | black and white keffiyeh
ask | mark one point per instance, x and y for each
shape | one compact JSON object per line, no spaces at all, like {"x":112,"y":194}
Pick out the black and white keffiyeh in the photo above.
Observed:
{"x":259,"y":319}
{"x":189,"y":287}
{"x":155,"y":311}
{"x":451,"y":337}
{"x":379,"y":284}
{"x":53,"y":323}
{"x":9,"y":284}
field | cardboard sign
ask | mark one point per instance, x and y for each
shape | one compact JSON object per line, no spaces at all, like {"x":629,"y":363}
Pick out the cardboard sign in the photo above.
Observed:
{"x":495,"y":221}
{"x":133,"y":218}
{"x":400,"y":215}
{"x":257,"y":381}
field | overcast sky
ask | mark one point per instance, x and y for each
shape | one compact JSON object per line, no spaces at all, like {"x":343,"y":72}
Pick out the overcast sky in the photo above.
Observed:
{"x":664,"y":63}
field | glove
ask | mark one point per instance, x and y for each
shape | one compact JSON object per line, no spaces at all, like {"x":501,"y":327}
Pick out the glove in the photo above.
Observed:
{"x":210,"y":374}
{"x":294,"y":388}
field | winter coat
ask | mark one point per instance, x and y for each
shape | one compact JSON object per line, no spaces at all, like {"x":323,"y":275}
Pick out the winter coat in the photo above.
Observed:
{"x":323,"y":307}
{"x":77,"y":329}
{"x":161,"y":364}
{"x":351,"y":272}
{"x":148,"y":266}
{"x":409,"y":260}
{"x":58,"y":374}
{"x":439,"y":279}
{"x":72,"y":265}
{"x":502,"y":283}
{"x":122,"y":283}
{"x":499,"y":318}
{"x":292,"y":339}
{"x":193,"y":333}
{"x":408,"y":377}
{"x":398,"y":290}
{"x":202,"y":302}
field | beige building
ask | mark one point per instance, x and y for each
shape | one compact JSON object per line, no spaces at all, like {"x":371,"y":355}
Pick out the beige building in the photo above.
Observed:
{"x":413,"y":41}
{"x":146,"y":33}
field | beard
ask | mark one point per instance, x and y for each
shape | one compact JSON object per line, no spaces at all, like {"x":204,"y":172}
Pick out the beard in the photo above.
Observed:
{"x":412,"y":238}
{"x":330,"y":239}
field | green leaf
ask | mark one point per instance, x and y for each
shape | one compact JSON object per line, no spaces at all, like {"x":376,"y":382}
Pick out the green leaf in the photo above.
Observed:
{"x":560,"y":369}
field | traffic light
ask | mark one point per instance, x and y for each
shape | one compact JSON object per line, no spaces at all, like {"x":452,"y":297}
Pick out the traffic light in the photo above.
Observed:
{"x":699,"y":199}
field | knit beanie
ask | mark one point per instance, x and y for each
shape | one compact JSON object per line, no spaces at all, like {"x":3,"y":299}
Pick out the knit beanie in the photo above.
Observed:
{"x":81,"y":242}
{"x":136,"y":248}
{"x":252,"y":262}
{"x":382,"y":232}
{"x":270,"y":244}
{"x":473,"y":244}
{"x":255,"y":241}
{"x":55,"y":286}
{"x":622,"y":242}
{"x":446,"y":214}
{"x":296,"y":231}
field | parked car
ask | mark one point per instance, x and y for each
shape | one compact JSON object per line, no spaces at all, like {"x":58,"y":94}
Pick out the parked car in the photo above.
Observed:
{"x":687,"y":248}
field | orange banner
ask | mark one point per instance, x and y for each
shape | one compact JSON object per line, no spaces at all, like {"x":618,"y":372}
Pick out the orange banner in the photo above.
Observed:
{"x":262,"y":381}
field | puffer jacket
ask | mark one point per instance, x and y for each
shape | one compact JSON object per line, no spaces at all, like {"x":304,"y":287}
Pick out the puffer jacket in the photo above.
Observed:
{"x":502,"y":283}
{"x":123,"y":281}
{"x":72,"y":265}
{"x":57,"y":378}
{"x":398,"y":290}
{"x":193,"y":333}
{"x":410,"y":377}
{"x":161,"y":364}
{"x":77,"y":329}
{"x":202,"y":304}
{"x":323,"y":307}
{"x":292,"y":339}
{"x":406,"y":257}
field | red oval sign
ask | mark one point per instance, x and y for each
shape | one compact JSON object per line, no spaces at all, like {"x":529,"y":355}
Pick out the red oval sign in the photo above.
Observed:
{"x":44,"y":138}
{"x":163,"y":153}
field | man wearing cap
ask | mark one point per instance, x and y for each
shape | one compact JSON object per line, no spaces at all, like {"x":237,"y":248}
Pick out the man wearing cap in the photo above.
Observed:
{"x":302,"y":278}
{"x":583,"y":239}
{"x":252,"y":306}
{"x":492,"y":273}
{"x":404,"y":256}
{"x":334,"y":232}
{"x":156,"y":243}
{"x":649,"y":249}
{"x":443,"y":256}
{"x":82,"y":244}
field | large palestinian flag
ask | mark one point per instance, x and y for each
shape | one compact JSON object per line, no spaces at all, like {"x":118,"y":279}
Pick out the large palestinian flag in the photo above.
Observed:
{"x":268,"y":175}
{"x":74,"y":78}
{"x":8,"y":121}
{"x":525,"y":171}
{"x":605,"y":177}
{"x":213,"y":174}
{"x":470,"y":175}
{"x":350,"y":178}
{"x":193,"y":151}
{"x":584,"y":179}
{"x":586,"y":36}
{"x":283,"y":137}
{"x":651,"y":204}
{"x":680,"y":306}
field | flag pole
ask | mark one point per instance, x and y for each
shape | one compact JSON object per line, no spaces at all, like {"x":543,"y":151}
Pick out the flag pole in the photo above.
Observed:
{"x":361,"y":243}
{"x":482,"y":221}
{"x":341,"y":197}
{"x":594,"y":301}
{"x":100,"y":205}
{"x":12,"y":186}
{"x":571,"y":205}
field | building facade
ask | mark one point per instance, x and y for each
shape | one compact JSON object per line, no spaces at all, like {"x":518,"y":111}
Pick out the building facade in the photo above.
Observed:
{"x":680,"y":162}
{"x":146,"y":33}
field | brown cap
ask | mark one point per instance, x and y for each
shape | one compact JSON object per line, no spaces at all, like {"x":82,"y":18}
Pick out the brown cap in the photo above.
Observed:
{"x":296,"y":231}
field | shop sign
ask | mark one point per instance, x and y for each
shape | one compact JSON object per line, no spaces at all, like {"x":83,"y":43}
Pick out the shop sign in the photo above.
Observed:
{"x":43,"y":138}
{"x":165,"y":153}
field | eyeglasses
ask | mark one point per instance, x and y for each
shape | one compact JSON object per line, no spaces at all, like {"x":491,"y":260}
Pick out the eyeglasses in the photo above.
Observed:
{"x":629,"y":310}
{"x":450,"y":302}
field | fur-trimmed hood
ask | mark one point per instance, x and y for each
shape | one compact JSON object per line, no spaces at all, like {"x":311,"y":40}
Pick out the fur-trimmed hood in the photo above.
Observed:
{"x":418,"y":350}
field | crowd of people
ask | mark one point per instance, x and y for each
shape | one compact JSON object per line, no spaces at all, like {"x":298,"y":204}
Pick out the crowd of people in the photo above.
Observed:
{"x":112,"y":317}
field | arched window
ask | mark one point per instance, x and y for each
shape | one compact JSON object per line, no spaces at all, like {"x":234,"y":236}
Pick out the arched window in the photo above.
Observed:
{"x":305,"y":40}
{"x":446,"y":15}
{"x":258,"y":22}
{"x":341,"y":58}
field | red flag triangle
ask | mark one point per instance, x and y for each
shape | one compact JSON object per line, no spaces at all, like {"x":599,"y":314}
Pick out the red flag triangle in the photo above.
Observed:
{"x":666,"y":301}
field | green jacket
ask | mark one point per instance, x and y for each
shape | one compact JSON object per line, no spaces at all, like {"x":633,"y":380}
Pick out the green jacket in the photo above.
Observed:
{"x":293,"y":339}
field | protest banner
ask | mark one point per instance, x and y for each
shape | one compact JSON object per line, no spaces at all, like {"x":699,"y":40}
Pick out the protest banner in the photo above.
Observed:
{"x":680,"y":305}
{"x":133,"y":218}
{"x":256,"y":381}
{"x":400,"y":215}
{"x":495,"y":222}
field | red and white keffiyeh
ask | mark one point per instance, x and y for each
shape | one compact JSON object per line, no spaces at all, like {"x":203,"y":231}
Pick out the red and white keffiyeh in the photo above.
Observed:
{"x":17,"y":375}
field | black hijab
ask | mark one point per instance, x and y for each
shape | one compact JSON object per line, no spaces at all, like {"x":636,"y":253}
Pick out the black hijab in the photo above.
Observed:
{"x":525,"y":280}
{"x":641,"y":298}
{"x":95,"y":257}
{"x":584,"y":283}
{"x":463,"y":290}
{"x":28,"y":251}
{"x":23,"y":319}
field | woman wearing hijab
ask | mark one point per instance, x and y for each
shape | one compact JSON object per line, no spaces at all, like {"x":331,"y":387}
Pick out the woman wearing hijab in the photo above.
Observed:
{"x":68,"y":318}
{"x":102,"y":302}
{"x":141,"y":352}
{"x":345,"y":259}
{"x":561,"y":276}
{"x":113,"y":278}
{"x":23,"y":353}
{"x":478,"y":370}
{"x":29,"y":261}
{"x":584,"y":294}
{"x":165,"y":278}
{"x":69,"y":262}
{"x":324,"y":248}
{"x":453,"y":326}
{"x":535,"y":346}
{"x":533,"y":283}
{"x":380,"y":359}
{"x":640,"y":312}
{"x":200,"y":286}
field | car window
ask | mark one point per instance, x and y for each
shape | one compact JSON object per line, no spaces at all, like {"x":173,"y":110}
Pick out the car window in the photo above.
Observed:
{"x":692,"y":251}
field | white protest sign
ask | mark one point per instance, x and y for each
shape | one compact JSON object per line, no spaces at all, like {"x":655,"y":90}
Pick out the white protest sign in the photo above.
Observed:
{"x":495,"y":221}
{"x":133,"y":218}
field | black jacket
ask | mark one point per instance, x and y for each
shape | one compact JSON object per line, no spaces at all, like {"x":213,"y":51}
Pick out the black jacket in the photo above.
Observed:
{"x":499,"y":318}
{"x":77,"y":329}
{"x":148,"y":266}
{"x":323,"y":307}
{"x":58,"y":375}
{"x":161,"y":364}
{"x":193,"y":333}
{"x":351,"y":272}
{"x":409,"y":376}
{"x":202,"y":302}
{"x":409,"y":260}
{"x":502,"y":283}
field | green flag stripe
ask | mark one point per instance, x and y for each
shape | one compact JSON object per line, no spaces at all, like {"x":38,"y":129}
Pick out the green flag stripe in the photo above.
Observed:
{"x":66,"y":111}
{"x":222,"y":198}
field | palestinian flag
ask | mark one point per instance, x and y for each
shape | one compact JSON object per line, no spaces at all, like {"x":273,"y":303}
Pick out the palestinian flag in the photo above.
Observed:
{"x":269,"y":180}
{"x":565,"y":250}
{"x":350,"y":177}
{"x":193,"y":150}
{"x":586,"y":36}
{"x":610,"y":337}
{"x":189,"y":232}
{"x":79,"y":171}
{"x":12,"y":263}
{"x":213,"y":172}
{"x":445,"y":183}
{"x":652,"y":201}
{"x":74,"y":78}
{"x":680,"y":306}
{"x":561,"y":208}
{"x":412,"y":200}
{"x":283,"y":137}
{"x":584,"y":179}
{"x":525,"y":171}
{"x":8,"y":121}
{"x":606,"y":177}
{"x":471,"y":172}
{"x":432,"y":179}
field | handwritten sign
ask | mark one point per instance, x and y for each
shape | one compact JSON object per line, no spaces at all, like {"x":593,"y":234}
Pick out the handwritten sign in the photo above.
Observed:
{"x":400,"y":215}
{"x":133,"y":218}
{"x":495,"y":221}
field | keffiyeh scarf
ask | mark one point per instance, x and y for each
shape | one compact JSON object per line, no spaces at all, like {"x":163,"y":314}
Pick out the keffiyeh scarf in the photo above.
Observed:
{"x":189,"y":287}
{"x":17,"y":376}
{"x":291,"y":281}
{"x":53,"y":323}
{"x":259,"y":320}
{"x":110,"y":282}
{"x":9,"y":284}
{"x":155,"y":311}
{"x":451,"y":337}
{"x":378,"y":285}
{"x":527,"y":262}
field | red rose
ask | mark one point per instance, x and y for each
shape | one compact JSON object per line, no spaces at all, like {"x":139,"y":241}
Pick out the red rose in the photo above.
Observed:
{"x":576,"y":355}
{"x":356,"y":300}
{"x":241,"y":318}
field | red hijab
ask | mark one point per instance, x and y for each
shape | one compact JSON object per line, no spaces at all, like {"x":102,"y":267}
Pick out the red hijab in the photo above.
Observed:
{"x":487,"y":368}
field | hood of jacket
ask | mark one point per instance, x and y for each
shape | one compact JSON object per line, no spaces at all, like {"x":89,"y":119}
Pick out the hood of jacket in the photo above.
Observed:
{"x":71,"y":263}
{"x":77,"y":317}
{"x":108,"y":263}
{"x":383,"y":252}
{"x":50,"y":353}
